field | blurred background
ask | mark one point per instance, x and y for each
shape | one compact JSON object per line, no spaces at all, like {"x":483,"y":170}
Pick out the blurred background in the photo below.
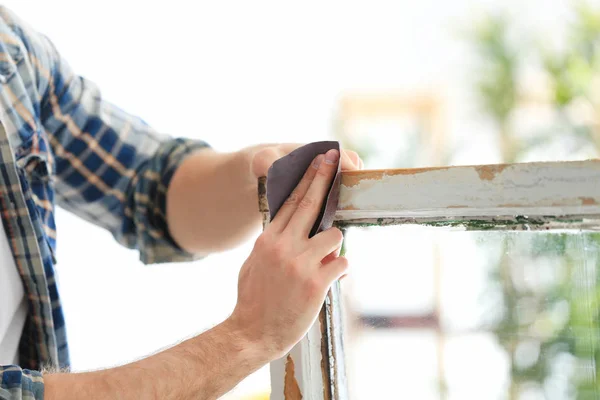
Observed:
{"x":431,"y":314}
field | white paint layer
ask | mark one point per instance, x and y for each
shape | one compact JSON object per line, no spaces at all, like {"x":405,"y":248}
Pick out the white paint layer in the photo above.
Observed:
{"x":563,"y":188}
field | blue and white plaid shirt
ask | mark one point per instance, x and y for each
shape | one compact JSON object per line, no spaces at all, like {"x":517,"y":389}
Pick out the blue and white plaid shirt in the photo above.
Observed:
{"x":61,"y":143}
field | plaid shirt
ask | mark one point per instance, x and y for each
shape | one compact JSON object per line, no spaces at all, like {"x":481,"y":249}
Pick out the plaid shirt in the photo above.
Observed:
{"x":61,"y":143}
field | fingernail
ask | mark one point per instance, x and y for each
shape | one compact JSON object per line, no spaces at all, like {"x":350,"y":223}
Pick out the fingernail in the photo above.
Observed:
{"x":332,"y":156}
{"x":317,"y":162}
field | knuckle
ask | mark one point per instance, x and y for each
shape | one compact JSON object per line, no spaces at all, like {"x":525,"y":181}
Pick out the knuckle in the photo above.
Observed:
{"x":269,"y":246}
{"x":293,"y":199}
{"x":294,"y":270}
{"x":263,"y":241}
{"x":296,"y":265}
{"x":306,"y":203}
{"x":313,"y":285}
{"x":278,"y":251}
{"x":324,"y":171}
{"x":292,"y":273}
{"x":309,"y":175}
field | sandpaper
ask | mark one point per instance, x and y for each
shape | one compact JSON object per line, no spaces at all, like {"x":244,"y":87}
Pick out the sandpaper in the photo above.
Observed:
{"x":285,"y":174}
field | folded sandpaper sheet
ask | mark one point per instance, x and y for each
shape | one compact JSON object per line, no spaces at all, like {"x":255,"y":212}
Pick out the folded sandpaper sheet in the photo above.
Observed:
{"x":285,"y":174}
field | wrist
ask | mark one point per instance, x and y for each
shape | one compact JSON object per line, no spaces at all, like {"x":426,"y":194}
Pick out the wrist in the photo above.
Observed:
{"x":254,"y":347}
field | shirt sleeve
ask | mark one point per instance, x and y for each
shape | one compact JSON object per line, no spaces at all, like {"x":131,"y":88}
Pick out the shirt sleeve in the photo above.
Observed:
{"x":20,"y":384}
{"x":111,"y":168}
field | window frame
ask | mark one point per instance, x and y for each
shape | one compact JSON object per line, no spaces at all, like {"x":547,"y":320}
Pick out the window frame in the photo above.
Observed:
{"x":526,"y":196}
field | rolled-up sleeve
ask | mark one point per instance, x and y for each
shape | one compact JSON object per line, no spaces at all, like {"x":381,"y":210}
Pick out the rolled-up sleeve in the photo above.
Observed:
{"x":20,"y":384}
{"x":110,"y":167}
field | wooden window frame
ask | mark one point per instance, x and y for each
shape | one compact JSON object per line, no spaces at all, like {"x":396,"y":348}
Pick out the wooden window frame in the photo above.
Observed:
{"x":528,"y":196}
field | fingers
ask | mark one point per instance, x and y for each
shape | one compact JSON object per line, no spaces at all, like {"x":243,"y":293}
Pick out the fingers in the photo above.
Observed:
{"x":325,"y":246}
{"x":291,"y":204}
{"x":356,"y":159}
{"x":334,"y":270}
{"x":309,"y":206}
{"x":350,"y":160}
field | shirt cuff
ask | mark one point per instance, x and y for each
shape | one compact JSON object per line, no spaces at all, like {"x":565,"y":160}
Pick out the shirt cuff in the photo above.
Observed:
{"x":155,"y":243}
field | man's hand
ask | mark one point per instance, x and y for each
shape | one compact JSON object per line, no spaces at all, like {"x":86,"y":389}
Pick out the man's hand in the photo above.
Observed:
{"x":282,"y":286}
{"x":283,"y":283}
{"x":211,"y":200}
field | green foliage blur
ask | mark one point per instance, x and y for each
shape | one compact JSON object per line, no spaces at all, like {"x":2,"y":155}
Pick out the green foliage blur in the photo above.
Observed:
{"x":547,"y":320}
{"x":551,"y":333}
{"x":572,"y":75}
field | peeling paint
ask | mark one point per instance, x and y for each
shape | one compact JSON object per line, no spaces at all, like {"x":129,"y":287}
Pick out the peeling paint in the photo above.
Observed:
{"x":325,"y":362}
{"x":588,"y":201}
{"x":489,"y":172}
{"x":291,"y":390}
{"x":353,"y":178}
{"x":263,"y":204}
{"x":534,"y":189}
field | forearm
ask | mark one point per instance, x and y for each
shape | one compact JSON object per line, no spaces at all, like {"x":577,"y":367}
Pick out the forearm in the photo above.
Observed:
{"x":204,"y":367}
{"x":211,"y":201}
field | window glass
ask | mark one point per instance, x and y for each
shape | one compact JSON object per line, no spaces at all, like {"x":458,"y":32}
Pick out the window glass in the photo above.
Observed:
{"x":438,"y":314}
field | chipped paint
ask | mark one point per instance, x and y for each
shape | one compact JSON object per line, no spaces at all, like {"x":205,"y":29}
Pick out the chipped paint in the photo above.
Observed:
{"x":335,"y":321}
{"x":532,"y":189}
{"x":263,"y":204}
{"x":352,"y":178}
{"x":489,"y":172}
{"x":291,"y":390}
{"x":325,"y":365}
{"x":588,"y":201}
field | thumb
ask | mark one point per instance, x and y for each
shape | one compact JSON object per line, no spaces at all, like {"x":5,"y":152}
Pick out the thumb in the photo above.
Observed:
{"x":334,"y":269}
